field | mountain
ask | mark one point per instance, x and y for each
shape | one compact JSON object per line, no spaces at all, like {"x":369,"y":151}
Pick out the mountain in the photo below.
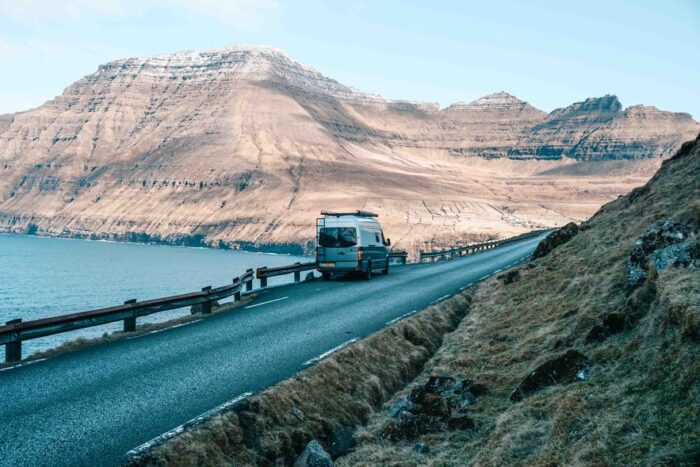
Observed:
{"x":243,"y":146}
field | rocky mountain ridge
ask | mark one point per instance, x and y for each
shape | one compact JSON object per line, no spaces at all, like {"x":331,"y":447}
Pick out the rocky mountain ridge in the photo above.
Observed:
{"x":244,"y":145}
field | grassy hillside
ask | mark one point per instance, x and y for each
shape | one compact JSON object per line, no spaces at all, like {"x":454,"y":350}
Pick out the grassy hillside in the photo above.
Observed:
{"x":636,"y":402}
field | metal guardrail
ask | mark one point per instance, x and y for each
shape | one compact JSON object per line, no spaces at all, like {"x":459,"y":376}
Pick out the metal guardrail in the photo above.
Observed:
{"x":15,"y":331}
{"x":399,"y":255}
{"x":264,"y":272}
{"x":470,"y":249}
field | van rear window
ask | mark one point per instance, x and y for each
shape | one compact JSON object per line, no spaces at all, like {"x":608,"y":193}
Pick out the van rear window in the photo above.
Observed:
{"x":337,"y":237}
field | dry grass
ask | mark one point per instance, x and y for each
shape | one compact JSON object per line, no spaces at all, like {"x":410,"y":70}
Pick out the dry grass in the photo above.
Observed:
{"x":641,"y":403}
{"x":341,"y":391}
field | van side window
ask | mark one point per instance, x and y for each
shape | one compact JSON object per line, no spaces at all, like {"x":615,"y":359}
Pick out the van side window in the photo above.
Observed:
{"x":376,"y":236}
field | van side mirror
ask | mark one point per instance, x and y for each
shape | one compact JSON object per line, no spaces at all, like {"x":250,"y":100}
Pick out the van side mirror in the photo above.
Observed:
{"x":388,"y":242}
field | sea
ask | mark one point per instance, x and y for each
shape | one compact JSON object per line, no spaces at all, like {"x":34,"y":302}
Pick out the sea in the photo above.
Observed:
{"x":42,"y":277}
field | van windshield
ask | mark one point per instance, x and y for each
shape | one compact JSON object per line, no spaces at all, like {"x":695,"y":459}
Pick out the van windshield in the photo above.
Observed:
{"x":337,"y":237}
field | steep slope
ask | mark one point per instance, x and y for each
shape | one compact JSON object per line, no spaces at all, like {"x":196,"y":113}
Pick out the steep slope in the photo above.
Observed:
{"x":586,"y":356}
{"x":242,"y":146}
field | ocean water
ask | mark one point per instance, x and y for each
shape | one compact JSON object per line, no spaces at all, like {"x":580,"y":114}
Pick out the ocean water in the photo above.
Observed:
{"x":42,"y":277}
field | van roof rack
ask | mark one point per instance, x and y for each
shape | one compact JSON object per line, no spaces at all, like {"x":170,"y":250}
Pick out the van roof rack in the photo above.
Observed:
{"x":358,"y":213}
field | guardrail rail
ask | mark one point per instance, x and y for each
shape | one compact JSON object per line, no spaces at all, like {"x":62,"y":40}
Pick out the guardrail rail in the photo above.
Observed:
{"x":474,"y":248}
{"x":15,"y":331}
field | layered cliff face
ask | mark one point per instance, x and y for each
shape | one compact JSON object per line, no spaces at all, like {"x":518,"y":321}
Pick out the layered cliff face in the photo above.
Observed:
{"x":245,"y":145}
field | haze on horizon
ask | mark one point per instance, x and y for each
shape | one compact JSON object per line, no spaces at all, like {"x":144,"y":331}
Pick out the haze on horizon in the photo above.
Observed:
{"x":545,"y":52}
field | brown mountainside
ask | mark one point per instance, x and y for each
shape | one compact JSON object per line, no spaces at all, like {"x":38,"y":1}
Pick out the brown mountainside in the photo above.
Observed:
{"x":244,"y":145}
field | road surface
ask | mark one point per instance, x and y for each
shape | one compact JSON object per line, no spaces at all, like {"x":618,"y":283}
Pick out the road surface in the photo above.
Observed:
{"x":91,"y":406}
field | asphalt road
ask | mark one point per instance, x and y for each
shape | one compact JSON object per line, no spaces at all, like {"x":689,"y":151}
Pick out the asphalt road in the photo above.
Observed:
{"x":91,"y":406}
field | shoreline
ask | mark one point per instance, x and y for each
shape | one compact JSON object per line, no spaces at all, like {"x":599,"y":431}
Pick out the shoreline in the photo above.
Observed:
{"x":196,"y":241}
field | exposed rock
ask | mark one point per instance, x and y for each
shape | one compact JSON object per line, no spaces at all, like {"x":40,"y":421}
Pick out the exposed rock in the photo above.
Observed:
{"x":679,"y":255}
{"x":657,"y":237}
{"x":421,"y":448}
{"x":314,"y":456}
{"x":432,"y":407}
{"x":343,"y":439}
{"x":567,"y":368}
{"x":309,"y":276}
{"x":298,"y":413}
{"x":555,"y":239}
{"x":132,"y":135}
{"x":403,"y":404}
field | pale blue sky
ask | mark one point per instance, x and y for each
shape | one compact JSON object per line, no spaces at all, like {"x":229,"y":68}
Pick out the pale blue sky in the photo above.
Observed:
{"x":550,"y":53}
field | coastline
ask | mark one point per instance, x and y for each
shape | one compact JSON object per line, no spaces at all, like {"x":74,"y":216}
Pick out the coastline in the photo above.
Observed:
{"x":179,"y":240}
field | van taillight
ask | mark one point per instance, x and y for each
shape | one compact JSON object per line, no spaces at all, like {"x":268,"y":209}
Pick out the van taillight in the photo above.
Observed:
{"x":359,"y":253}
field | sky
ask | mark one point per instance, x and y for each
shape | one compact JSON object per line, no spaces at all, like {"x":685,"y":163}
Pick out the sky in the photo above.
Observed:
{"x":549,"y":53}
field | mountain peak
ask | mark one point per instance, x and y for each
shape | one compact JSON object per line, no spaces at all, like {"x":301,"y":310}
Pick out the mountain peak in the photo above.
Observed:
{"x":497,"y":99}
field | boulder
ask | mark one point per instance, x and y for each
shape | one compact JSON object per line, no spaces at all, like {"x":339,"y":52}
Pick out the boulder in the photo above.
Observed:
{"x":314,"y":456}
{"x":567,"y":368}
{"x":555,"y":239}
{"x":309,"y":276}
{"x":342,"y":440}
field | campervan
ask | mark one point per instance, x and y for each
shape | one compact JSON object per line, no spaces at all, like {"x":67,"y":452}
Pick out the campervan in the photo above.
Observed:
{"x":350,"y":242}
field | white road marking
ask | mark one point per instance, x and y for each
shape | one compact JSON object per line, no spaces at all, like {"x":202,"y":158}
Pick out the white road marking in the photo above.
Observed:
{"x":440,"y":299}
{"x":265,"y":303}
{"x":179,"y":429}
{"x":483,"y":277}
{"x":23,"y":364}
{"x":327,"y":353}
{"x":497,"y":271}
{"x":405,"y":315}
{"x":466,"y":286}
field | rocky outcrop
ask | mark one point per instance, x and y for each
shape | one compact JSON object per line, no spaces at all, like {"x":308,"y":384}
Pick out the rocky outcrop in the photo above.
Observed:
{"x":555,"y":239}
{"x":234,"y":147}
{"x":314,"y":456}
{"x":565,"y":369}
{"x":662,"y":240}
{"x":440,"y":404}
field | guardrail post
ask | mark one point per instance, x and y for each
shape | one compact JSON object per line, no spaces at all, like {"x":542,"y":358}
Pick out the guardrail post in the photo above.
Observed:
{"x":13,"y":350}
{"x":249,"y":284}
{"x":263,"y":282}
{"x":206,"y":306}
{"x":130,"y":323}
{"x":237,"y":296}
{"x":297,"y":274}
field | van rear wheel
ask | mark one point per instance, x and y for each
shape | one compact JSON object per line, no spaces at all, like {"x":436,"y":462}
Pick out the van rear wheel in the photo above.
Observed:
{"x":368,"y":273}
{"x":326,"y":276}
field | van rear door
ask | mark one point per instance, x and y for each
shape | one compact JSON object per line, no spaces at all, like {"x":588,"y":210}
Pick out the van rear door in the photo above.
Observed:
{"x":327,"y":245}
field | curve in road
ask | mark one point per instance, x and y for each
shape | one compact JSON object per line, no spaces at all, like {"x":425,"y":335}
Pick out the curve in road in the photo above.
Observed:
{"x":91,"y":406}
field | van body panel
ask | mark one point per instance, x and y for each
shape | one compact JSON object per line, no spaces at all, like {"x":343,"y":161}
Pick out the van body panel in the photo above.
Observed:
{"x":339,"y":239}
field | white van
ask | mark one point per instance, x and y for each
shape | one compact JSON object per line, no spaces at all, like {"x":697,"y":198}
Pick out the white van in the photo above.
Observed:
{"x":350,"y":242}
